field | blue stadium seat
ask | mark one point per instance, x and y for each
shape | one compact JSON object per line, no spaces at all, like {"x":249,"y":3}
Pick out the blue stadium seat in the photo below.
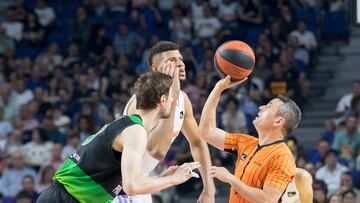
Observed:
{"x":22,"y":52}
{"x":252,"y":36}
{"x":335,"y":25}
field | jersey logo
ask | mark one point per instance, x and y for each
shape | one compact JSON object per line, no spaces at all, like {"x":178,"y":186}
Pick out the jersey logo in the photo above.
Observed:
{"x":181,"y":114}
{"x":90,"y":138}
{"x":243,"y":156}
{"x":291,"y":194}
{"x":117,"y":190}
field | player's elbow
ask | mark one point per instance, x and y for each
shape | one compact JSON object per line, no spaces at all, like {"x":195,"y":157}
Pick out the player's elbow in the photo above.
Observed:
{"x":130,"y":188}
{"x":158,"y":154}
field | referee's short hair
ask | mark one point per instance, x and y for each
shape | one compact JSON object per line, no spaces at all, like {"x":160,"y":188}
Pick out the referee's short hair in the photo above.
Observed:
{"x":291,"y":113}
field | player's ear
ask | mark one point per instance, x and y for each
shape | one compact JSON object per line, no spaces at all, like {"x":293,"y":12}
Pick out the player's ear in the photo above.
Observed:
{"x":154,"y":67}
{"x":162,"y":100}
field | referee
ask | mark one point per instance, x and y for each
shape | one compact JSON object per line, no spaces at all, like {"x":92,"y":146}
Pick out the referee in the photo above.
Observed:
{"x":265,"y":165}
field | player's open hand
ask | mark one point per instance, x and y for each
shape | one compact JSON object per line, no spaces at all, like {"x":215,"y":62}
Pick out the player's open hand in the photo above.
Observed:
{"x":169,"y":171}
{"x":185,"y":172}
{"x":226,"y":83}
{"x":170,"y":68}
{"x":220,"y":173}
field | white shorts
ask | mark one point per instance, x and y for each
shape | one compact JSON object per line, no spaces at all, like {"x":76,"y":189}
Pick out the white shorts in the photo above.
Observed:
{"x":132,"y":199}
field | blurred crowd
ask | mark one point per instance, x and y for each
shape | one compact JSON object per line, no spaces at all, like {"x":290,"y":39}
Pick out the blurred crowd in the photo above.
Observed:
{"x":67,"y":68}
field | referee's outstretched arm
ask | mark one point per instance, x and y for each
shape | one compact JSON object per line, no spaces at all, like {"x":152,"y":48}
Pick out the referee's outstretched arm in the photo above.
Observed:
{"x":279,"y":171}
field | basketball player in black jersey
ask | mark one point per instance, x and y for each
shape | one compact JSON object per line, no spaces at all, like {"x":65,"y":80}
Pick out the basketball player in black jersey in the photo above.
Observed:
{"x":108,"y":163}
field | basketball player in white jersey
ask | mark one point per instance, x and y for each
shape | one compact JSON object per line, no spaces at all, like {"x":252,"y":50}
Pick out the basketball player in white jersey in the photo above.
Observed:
{"x":299,"y":189}
{"x":165,"y":57}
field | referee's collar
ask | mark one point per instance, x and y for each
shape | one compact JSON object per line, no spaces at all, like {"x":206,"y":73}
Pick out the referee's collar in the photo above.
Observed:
{"x":272,"y":143}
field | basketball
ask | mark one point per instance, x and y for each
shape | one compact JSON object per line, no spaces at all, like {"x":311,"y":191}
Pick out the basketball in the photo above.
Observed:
{"x":234,"y":58}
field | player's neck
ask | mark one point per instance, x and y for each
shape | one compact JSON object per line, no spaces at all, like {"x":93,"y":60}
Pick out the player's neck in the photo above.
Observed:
{"x":149,"y":119}
{"x":270,"y":136}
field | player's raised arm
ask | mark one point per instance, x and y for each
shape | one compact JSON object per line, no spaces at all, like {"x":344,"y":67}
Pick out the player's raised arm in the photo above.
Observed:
{"x":134,"y":182}
{"x":208,"y":130}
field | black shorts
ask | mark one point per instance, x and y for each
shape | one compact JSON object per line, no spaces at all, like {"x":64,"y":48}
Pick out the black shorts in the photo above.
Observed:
{"x":56,"y":193}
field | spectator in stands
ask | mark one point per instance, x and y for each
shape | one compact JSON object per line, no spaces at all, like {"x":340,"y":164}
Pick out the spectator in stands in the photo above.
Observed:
{"x":208,"y":26}
{"x":318,"y":158}
{"x":329,"y":133}
{"x":287,"y":19}
{"x":14,"y":142}
{"x":6,"y":43}
{"x":150,"y":17}
{"x":28,"y":186}
{"x":335,"y":198}
{"x":21,"y":10}
{"x":345,"y":101}
{"x":97,"y":42}
{"x":72,"y":144}
{"x":38,"y":150}
{"x":73,"y":56}
{"x":45,"y":177}
{"x":80,"y":26}
{"x":50,"y":59}
{"x":5,"y":126}
{"x":354,"y":109}
{"x":320,"y":195}
{"x":66,"y":103}
{"x":276,"y":36}
{"x":125,"y":40}
{"x":180,"y":25}
{"x":12,"y":177}
{"x":61,"y":121}
{"x":261,"y":69}
{"x":278,"y":83}
{"x":51,"y":95}
{"x":305,"y":37}
{"x":334,"y":5}
{"x":36,"y":79}
{"x":52,"y":133}
{"x":8,"y":102}
{"x":24,"y":197}
{"x":12,"y":27}
{"x":33,"y":34}
{"x":233,"y":120}
{"x":331,"y":172}
{"x":85,"y":126}
{"x":22,"y":94}
{"x":39,"y":99}
{"x":197,"y":9}
{"x":26,"y":119}
{"x":347,"y":141}
{"x":55,"y":161}
{"x":108,"y":61}
{"x":347,"y":184}
{"x":45,"y":14}
{"x":249,"y":13}
{"x":349,"y":196}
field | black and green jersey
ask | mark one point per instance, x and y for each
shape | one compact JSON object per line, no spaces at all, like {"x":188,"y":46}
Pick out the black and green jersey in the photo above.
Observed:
{"x":93,"y":173}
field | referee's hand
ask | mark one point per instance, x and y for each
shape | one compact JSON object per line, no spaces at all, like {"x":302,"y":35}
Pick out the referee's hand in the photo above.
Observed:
{"x":226,"y":83}
{"x":220,"y":173}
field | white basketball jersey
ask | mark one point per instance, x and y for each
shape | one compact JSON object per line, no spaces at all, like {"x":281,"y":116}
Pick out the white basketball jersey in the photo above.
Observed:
{"x":149,"y":163}
{"x":291,"y":194}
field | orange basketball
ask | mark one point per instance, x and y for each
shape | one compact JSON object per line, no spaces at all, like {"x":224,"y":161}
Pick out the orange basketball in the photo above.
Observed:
{"x":234,"y":58}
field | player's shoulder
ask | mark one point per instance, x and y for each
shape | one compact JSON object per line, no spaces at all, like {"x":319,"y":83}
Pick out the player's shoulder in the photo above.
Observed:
{"x":302,"y":174}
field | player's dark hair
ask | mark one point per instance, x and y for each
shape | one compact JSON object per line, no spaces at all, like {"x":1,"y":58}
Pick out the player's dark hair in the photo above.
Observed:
{"x":159,"y":48}
{"x":149,"y":88}
{"x":291,"y":113}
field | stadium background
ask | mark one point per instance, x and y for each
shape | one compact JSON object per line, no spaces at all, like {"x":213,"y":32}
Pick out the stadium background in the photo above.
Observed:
{"x":67,"y":67}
